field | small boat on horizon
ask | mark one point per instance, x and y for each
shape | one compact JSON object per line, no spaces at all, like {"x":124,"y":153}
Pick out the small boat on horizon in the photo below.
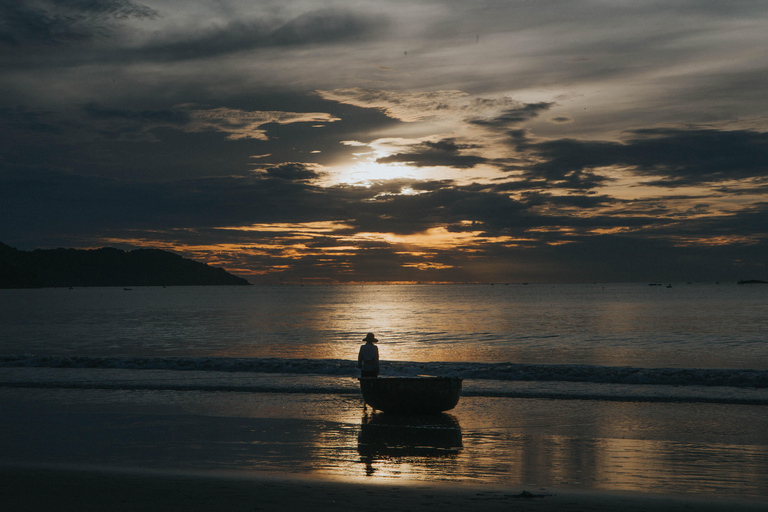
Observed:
{"x":411,"y":395}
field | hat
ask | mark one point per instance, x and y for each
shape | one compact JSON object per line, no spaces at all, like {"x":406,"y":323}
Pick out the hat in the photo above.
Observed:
{"x":370,"y":337}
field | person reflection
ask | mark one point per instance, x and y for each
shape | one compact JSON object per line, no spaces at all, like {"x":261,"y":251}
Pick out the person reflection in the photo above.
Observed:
{"x":368,"y":357}
{"x":366,"y":455}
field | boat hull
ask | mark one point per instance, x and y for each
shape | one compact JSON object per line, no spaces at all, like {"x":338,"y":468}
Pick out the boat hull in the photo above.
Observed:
{"x":411,"y":395}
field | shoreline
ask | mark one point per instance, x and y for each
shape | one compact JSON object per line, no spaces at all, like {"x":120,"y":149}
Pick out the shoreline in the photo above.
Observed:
{"x":24,"y":488}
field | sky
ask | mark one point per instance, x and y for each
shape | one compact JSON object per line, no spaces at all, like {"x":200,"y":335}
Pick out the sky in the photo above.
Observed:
{"x":298,"y":141}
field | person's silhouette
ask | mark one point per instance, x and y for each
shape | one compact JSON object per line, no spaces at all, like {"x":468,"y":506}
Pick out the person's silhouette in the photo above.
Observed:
{"x":368,"y":357}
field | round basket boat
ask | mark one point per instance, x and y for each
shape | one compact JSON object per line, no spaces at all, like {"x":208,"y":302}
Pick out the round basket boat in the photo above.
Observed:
{"x":411,"y":395}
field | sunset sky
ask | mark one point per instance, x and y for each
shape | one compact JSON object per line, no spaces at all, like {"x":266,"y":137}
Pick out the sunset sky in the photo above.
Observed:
{"x":323,"y":141}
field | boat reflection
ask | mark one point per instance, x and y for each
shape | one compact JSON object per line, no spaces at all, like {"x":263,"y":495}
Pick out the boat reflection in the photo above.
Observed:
{"x":389,"y":437}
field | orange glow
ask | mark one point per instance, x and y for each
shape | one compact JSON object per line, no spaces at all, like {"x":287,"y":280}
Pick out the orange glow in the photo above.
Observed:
{"x":304,"y":227}
{"x":428,"y":266}
{"x":716,"y":240}
{"x":296,"y":241}
{"x":434,"y":238}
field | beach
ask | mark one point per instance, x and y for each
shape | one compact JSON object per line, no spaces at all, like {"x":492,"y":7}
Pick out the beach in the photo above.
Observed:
{"x":99,"y":443}
{"x":211,"y":399}
{"x":78,"y":490}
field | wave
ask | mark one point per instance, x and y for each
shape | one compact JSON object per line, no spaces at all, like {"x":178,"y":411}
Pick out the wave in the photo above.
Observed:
{"x":738,"y":378}
{"x":353,"y":390}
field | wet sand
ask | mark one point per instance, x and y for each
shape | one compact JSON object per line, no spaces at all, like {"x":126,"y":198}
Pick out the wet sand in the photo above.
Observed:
{"x":702,"y":450}
{"x":75,"y":490}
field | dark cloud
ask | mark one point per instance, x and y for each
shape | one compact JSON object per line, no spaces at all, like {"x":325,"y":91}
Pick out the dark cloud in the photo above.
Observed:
{"x":514,"y":116}
{"x":44,"y":202}
{"x":128,"y":142}
{"x":113,"y":128}
{"x":23,"y":120}
{"x":536,"y":198}
{"x":572,"y":180}
{"x":313,"y":28}
{"x":616,"y":258}
{"x":684,"y":157}
{"x":675,"y":156}
{"x":327,"y":26}
{"x":485,"y":208}
{"x":42,"y":31}
{"x":146,"y":117}
{"x":557,"y":243}
{"x":745,"y":227}
{"x":63,"y":21}
{"x":35,"y":204}
{"x":128,"y":147}
{"x":552,"y":165}
{"x":292,"y":171}
{"x":441,"y":153}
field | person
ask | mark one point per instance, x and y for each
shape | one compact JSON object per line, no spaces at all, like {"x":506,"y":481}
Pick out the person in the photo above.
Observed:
{"x":368,"y":357}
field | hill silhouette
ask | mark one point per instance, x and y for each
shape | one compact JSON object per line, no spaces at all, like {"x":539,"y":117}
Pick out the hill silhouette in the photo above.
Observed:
{"x":108,"y":266}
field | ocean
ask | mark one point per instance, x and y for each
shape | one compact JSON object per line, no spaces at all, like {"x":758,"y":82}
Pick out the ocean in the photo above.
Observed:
{"x":627,"y":387}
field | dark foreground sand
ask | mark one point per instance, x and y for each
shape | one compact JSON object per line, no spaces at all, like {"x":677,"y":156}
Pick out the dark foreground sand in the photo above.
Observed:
{"x":91,"y":490}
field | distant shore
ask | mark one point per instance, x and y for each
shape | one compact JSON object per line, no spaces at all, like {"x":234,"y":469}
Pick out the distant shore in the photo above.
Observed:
{"x":64,"y":268}
{"x":24,"y":489}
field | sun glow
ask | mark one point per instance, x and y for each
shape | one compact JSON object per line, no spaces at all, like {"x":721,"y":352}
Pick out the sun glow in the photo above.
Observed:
{"x":369,"y":171}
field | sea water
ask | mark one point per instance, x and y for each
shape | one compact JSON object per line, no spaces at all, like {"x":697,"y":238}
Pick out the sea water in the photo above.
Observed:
{"x":610,"y":386}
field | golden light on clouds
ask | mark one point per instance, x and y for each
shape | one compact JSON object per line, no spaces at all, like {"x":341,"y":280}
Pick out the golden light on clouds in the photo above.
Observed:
{"x":329,"y":244}
{"x":303,"y":227}
{"x":405,"y":106}
{"x":243,"y":124}
{"x":437,"y":238}
{"x":312,"y":142}
{"x":716,"y":240}
{"x":428,"y":265}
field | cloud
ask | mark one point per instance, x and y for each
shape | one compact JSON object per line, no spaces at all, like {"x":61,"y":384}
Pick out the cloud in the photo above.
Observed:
{"x":404,"y":106}
{"x":279,"y":219}
{"x":327,"y":26}
{"x":152,"y":117}
{"x":236,"y":123}
{"x":240,"y":124}
{"x":56,"y":22}
{"x":690,"y":157}
{"x":445,"y":152}
{"x":496,"y":112}
{"x":674,"y":156}
{"x":160,"y":140}
{"x":311,"y":28}
{"x":514,"y":116}
{"x":46,"y":202}
{"x":90,"y":35}
{"x":543,"y":136}
{"x":292,"y":172}
{"x":130,"y":125}
{"x":43,"y":202}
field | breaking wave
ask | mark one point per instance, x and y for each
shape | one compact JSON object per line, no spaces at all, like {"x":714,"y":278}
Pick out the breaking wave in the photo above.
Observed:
{"x":738,"y":378}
